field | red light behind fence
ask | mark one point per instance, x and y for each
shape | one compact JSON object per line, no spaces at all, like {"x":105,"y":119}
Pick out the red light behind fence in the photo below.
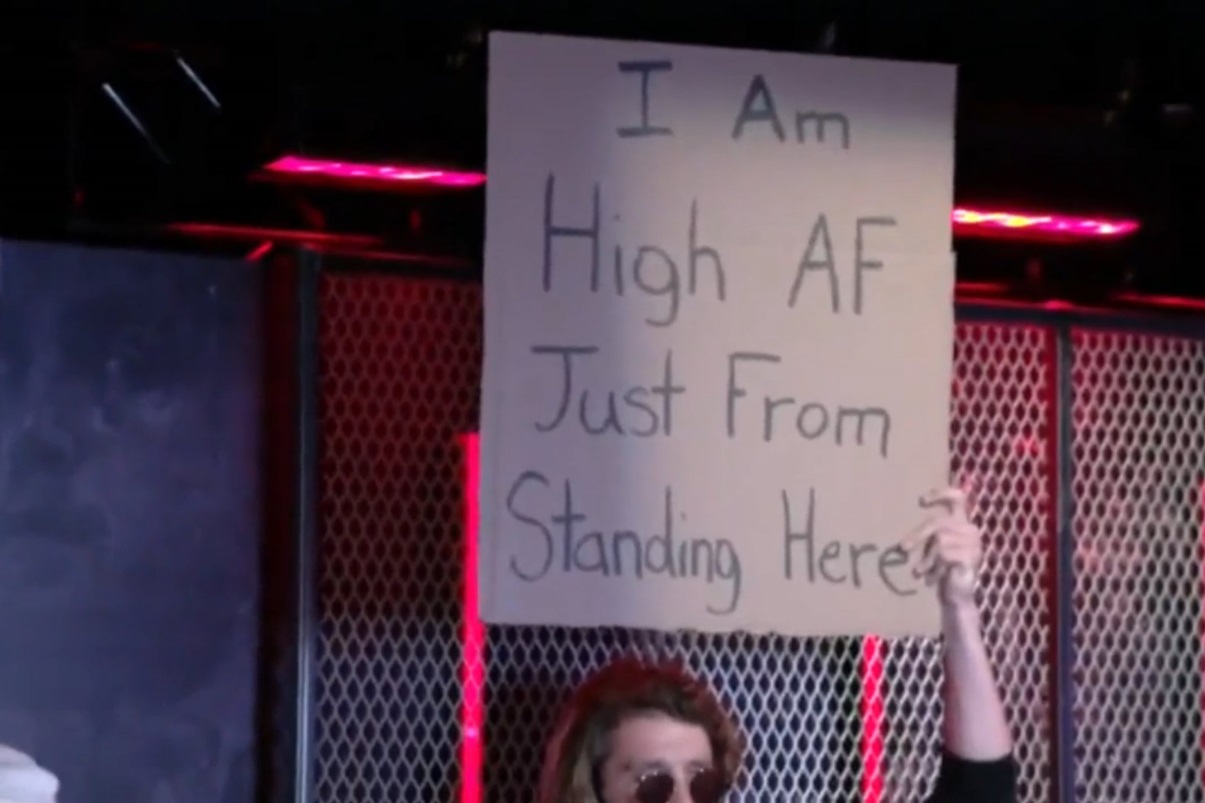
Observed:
{"x":974,"y":222}
{"x":967,"y":222}
{"x":358,"y":173}
{"x":874,"y":720}
{"x":472,"y":639}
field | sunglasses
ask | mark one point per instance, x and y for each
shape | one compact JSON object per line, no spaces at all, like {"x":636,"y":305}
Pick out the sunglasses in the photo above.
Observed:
{"x":704,"y":786}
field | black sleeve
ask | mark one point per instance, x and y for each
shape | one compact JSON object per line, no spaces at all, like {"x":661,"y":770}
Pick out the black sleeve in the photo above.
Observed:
{"x":962,"y":781}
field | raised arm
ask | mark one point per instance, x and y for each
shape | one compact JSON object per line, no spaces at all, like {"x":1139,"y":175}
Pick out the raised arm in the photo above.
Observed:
{"x":977,"y":765}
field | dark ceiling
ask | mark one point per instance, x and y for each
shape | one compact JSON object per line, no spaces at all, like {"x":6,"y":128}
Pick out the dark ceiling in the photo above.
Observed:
{"x":1092,"y":107}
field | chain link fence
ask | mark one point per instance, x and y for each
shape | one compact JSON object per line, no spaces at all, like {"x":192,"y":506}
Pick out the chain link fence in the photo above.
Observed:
{"x":399,"y":384}
{"x":1139,"y":464}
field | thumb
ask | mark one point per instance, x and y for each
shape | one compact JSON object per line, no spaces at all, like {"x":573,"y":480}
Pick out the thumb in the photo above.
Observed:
{"x":953,"y":500}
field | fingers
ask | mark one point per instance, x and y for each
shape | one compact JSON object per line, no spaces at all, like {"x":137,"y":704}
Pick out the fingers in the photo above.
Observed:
{"x":948,"y":542}
{"x":954,"y":500}
{"x":940,"y":523}
{"x":935,"y":564}
{"x":920,"y":536}
{"x":943,"y":546}
{"x":942,"y":570}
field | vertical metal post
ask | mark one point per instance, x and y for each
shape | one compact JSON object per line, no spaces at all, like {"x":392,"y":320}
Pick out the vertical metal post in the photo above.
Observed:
{"x":288,"y":636}
{"x":306,"y":523}
{"x":1062,"y":468}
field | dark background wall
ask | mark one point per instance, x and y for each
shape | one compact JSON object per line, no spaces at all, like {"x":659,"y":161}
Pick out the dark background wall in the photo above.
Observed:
{"x":129,"y":521}
{"x":1094,"y":109}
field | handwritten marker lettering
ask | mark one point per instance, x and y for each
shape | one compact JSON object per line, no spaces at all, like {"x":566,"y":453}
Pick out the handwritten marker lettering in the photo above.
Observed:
{"x":718,"y":337}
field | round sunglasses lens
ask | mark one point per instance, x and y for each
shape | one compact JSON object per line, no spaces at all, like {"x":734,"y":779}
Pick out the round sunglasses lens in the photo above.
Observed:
{"x":657,"y":788}
{"x":707,"y":787}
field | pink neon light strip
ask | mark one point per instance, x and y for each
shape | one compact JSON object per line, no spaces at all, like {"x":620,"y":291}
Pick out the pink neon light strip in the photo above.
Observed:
{"x":964,"y":219}
{"x":1018,"y":224}
{"x":360,"y":172}
{"x":472,"y":669}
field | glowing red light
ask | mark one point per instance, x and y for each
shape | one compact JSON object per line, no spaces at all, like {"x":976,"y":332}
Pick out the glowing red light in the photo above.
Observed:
{"x":1015,"y":224}
{"x":472,"y":639}
{"x":259,"y":234}
{"x":873,"y":720}
{"x":360,"y":172}
{"x":966,"y":221}
{"x":1166,"y":302}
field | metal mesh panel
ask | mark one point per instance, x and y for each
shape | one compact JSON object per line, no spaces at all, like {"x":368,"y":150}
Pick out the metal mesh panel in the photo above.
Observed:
{"x":400,"y":382}
{"x":1139,"y":453}
{"x":399,"y":379}
{"x":1000,"y":431}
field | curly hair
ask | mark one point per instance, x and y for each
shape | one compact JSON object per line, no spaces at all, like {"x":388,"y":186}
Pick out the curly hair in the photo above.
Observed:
{"x":580,"y":741}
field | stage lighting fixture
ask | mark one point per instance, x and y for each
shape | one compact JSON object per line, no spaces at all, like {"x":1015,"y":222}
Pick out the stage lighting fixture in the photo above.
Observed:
{"x":357,"y":173}
{"x":1028,"y":226}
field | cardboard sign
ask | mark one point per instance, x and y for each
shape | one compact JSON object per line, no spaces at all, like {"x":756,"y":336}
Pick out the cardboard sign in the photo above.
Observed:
{"x":719,"y":336}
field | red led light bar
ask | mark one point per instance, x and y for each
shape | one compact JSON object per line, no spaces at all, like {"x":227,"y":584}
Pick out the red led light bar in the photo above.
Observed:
{"x":473,"y":636}
{"x":967,"y":222}
{"x":355,"y":172}
{"x":979,"y":223}
{"x":234,"y":233}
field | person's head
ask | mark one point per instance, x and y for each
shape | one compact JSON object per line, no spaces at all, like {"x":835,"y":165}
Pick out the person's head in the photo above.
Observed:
{"x":641,"y":733}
